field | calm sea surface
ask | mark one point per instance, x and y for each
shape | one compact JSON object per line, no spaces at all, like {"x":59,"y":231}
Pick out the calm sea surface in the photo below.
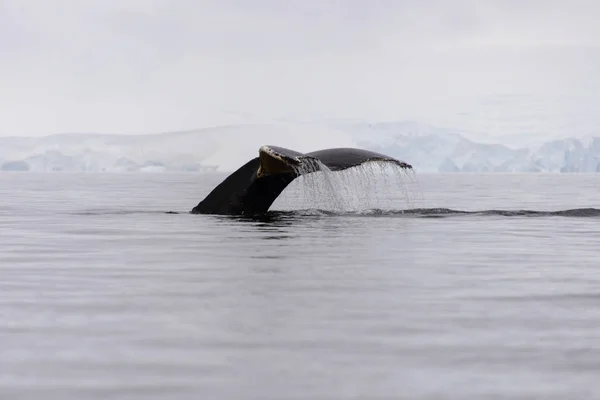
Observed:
{"x":104,"y":295}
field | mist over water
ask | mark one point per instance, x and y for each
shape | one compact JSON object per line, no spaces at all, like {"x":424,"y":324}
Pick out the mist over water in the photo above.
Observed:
{"x":477,"y":286}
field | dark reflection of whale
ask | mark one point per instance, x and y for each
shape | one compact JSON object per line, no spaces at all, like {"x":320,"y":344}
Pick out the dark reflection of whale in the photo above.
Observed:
{"x":253,"y":188}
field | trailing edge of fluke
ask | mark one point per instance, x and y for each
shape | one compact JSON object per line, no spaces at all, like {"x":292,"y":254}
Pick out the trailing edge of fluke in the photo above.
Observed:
{"x":253,"y":188}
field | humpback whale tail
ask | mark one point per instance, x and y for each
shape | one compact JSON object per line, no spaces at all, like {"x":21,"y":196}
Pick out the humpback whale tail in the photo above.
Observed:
{"x":253,"y":188}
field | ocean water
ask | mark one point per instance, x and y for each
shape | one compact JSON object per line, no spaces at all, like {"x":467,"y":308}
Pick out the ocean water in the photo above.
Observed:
{"x":488,"y":288}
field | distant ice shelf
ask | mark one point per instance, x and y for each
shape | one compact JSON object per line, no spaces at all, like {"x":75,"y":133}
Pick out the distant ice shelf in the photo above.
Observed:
{"x":224,"y":149}
{"x":433,"y":149}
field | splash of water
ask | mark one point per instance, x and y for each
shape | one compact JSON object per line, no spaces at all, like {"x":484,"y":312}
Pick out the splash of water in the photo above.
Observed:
{"x":372,"y":185}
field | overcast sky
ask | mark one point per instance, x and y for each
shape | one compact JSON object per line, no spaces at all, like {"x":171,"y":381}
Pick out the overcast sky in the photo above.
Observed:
{"x":134,"y":66}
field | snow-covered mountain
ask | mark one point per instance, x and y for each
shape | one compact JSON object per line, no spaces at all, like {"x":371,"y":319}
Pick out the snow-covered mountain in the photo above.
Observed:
{"x":222,"y":148}
{"x":427,"y":148}
{"x":433,"y":149}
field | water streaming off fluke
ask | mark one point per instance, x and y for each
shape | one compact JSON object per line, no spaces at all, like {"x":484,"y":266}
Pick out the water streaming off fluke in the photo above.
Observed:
{"x":372,"y":185}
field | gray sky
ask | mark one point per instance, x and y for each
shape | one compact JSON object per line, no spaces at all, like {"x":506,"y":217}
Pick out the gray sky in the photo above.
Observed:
{"x":133,"y":66}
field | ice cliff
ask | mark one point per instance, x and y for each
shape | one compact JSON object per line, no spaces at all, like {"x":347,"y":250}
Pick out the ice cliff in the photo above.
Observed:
{"x":427,"y":148}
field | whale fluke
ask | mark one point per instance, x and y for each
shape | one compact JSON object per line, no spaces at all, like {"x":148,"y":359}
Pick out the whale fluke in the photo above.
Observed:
{"x":253,"y":188}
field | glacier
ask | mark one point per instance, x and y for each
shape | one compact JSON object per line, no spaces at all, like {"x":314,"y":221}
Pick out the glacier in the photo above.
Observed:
{"x":220,"y":149}
{"x":432,"y":149}
{"x":224,"y":148}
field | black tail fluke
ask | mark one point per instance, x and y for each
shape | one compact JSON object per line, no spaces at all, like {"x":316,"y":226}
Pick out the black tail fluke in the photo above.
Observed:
{"x":253,"y":188}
